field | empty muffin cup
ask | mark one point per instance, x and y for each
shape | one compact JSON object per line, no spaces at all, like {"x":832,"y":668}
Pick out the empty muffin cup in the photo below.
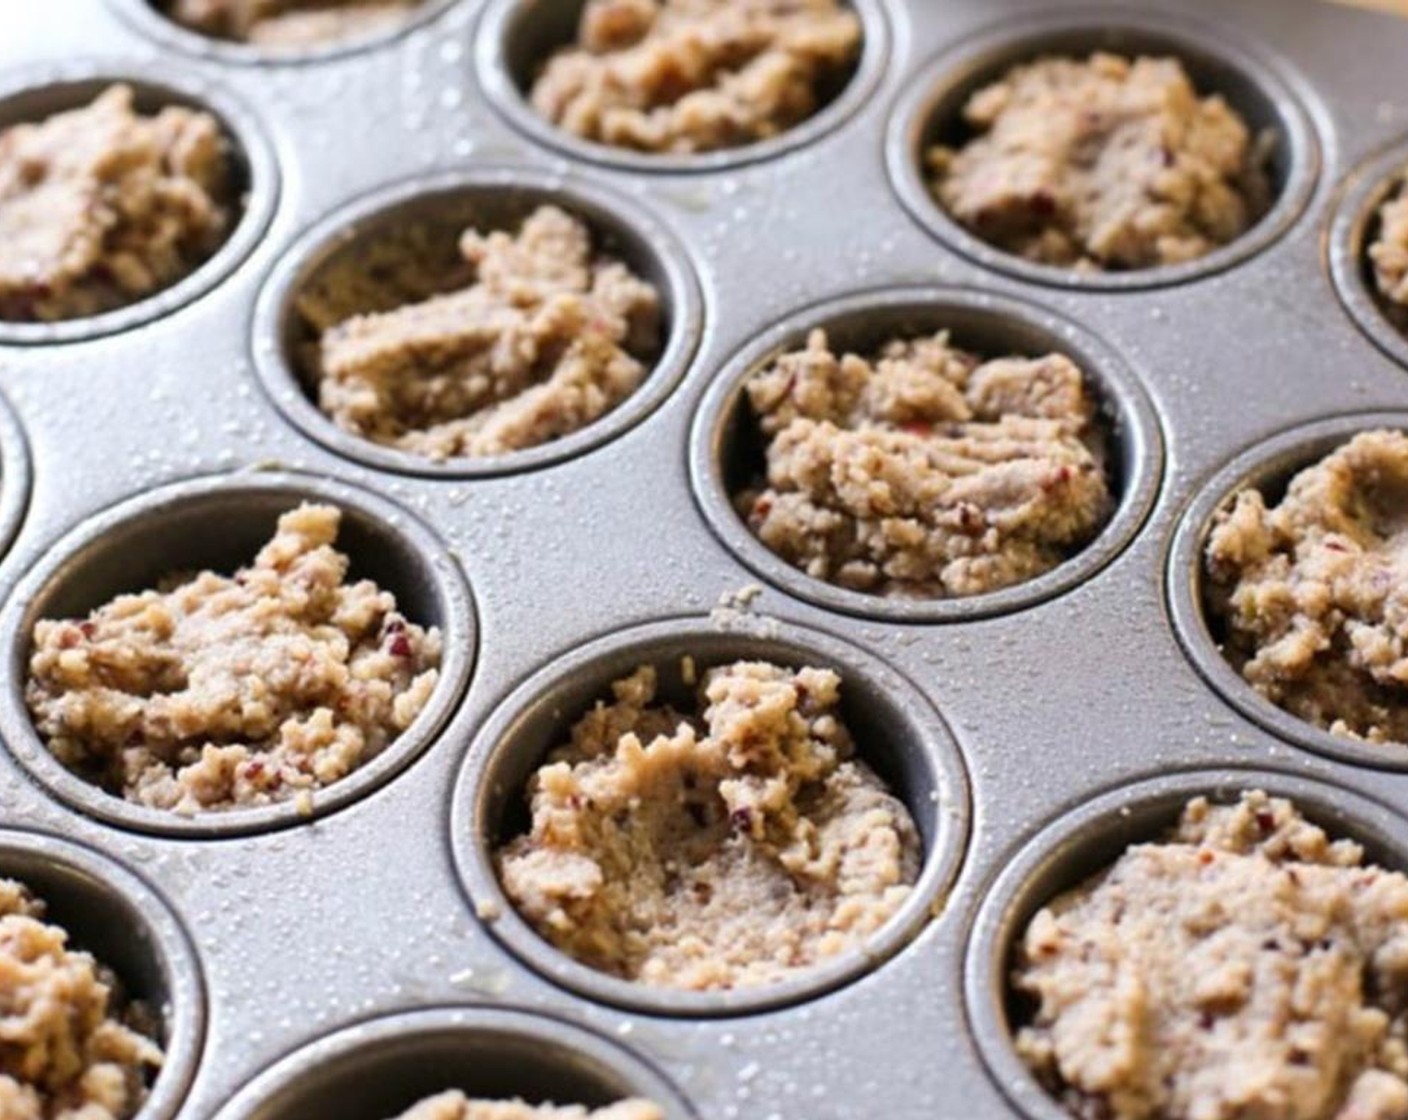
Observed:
{"x":898,"y":737}
{"x":515,"y":39}
{"x":399,"y":249}
{"x":1089,"y":839}
{"x":930,"y":115}
{"x":727,"y":449}
{"x":216,"y":524}
{"x":250,"y":195}
{"x":376,"y":1070}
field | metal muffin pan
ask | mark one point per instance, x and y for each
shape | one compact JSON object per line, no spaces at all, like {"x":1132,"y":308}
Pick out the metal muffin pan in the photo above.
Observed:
{"x":314,"y":936}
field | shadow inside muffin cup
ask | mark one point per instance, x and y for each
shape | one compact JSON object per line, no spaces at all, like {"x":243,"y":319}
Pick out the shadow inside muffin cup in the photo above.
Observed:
{"x":128,"y":929}
{"x":220,"y":524}
{"x":728,"y":451}
{"x":1089,"y":839}
{"x":423,"y":220}
{"x":377,"y":1070}
{"x":516,"y":38}
{"x":31,"y":97}
{"x":1356,"y":226}
{"x":931,"y":114}
{"x":897,"y":734}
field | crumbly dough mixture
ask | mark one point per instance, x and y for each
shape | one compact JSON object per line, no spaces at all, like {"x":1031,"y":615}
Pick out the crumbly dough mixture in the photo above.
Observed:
{"x":101,"y":206}
{"x":455,"y":1105}
{"x":922,"y":471}
{"x":1389,"y":252}
{"x":69,"y":1050}
{"x":1102,"y":163}
{"x":716,"y":851}
{"x":696,"y":75}
{"x":1313,"y":592}
{"x":547,"y":336}
{"x":291,"y":24}
{"x":1243,"y":966}
{"x":219,"y":691}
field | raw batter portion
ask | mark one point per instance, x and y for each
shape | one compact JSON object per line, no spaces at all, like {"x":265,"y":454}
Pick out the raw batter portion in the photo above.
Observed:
{"x":1102,"y":163}
{"x":70,"y":1048}
{"x":214,"y":692}
{"x":547,"y":335}
{"x":712,"y":851}
{"x":1389,"y":252}
{"x":696,"y":75}
{"x":922,"y":471}
{"x":291,"y":24}
{"x":1312,"y":593}
{"x":1243,"y":966}
{"x":456,"y":1106}
{"x":101,"y":206}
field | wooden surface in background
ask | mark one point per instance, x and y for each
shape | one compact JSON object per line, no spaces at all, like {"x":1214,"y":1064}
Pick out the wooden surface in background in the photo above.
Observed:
{"x":1399,"y":6}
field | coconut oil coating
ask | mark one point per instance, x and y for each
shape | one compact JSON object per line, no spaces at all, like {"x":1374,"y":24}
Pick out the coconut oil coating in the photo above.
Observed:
{"x":1389,"y":252}
{"x":214,"y":692}
{"x":921,"y":471}
{"x":70,"y":1048}
{"x":696,"y":75}
{"x":291,"y":23}
{"x":101,"y":206}
{"x":1102,"y":163}
{"x":1312,"y":591}
{"x":546,"y":335}
{"x":722,"y":850}
{"x":454,"y":1105}
{"x":1243,"y":965}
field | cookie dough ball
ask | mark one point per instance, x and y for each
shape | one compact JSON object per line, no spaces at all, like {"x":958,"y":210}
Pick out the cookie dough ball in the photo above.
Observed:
{"x":921,"y":471}
{"x":1389,"y":252}
{"x":72,"y":1050}
{"x":102,"y":206}
{"x":696,"y":75}
{"x":1243,"y":965}
{"x":1310,"y":592}
{"x":727,"y":847}
{"x":545,"y":336}
{"x":291,"y":24}
{"x":213,"y":692}
{"x":456,"y":1106}
{"x":1102,"y":163}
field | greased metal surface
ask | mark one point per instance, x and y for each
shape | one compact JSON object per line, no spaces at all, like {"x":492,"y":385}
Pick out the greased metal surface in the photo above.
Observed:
{"x":343,"y":937}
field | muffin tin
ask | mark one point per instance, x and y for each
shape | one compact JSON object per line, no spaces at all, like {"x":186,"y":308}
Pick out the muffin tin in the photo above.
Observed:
{"x":325,"y":965}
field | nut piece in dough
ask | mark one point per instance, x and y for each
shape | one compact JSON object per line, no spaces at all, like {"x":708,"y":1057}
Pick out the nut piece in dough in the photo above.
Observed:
{"x":732,"y":848}
{"x":696,"y":75}
{"x":922,"y":471}
{"x":1102,"y":163}
{"x":72,"y":1050}
{"x":455,"y":1105}
{"x":291,"y":24}
{"x":546,"y":336}
{"x":102,"y":206}
{"x":213,"y":691}
{"x":1312,"y":592}
{"x":1244,"y":965}
{"x":1389,"y":252}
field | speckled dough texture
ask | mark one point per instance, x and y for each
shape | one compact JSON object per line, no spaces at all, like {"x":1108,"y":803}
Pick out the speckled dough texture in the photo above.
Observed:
{"x":732,"y":848}
{"x":921,"y":471}
{"x":68,"y":1047}
{"x":1389,"y":252}
{"x":547,"y":335}
{"x":291,"y":24}
{"x":696,"y":75}
{"x":455,"y":1105}
{"x":101,"y":206}
{"x":1242,"y":966}
{"x":1102,"y":163}
{"x":214,"y":692}
{"x":1312,"y":591}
